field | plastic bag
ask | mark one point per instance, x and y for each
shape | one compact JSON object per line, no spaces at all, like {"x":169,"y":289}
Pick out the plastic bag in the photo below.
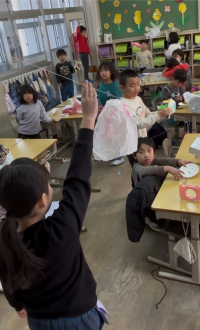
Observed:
{"x":115,"y":133}
{"x":185,"y":249}
{"x":193,"y":101}
{"x":153,"y":33}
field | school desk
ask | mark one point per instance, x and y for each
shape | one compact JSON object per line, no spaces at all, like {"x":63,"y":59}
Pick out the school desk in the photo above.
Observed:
{"x":168,"y":205}
{"x":33,"y":148}
{"x":8,"y":143}
{"x":185,"y":114}
{"x":183,"y":152}
{"x":161,"y":83}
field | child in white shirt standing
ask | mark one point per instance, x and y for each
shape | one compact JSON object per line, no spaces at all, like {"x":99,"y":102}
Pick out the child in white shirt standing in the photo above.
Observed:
{"x":130,"y":86}
{"x":144,"y":58}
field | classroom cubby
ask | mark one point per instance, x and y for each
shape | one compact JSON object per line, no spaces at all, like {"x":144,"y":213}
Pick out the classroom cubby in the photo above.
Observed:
{"x":124,"y":52}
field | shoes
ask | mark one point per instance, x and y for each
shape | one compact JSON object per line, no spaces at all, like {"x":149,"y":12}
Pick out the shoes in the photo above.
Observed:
{"x":117,"y":162}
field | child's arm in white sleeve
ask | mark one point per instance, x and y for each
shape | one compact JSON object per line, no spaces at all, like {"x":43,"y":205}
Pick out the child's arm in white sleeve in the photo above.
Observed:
{"x":146,"y":122}
{"x":44,"y":117}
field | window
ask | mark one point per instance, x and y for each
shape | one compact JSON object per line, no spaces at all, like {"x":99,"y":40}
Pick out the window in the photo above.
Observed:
{"x":30,"y":37}
{"x":24,"y":4}
{"x":57,"y":35}
{"x":2,"y":55}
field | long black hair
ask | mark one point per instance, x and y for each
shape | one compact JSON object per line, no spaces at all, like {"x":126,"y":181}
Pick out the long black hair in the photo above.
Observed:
{"x":27,"y":89}
{"x":173,"y":38}
{"x":22,"y":184}
{"x":110,"y":67}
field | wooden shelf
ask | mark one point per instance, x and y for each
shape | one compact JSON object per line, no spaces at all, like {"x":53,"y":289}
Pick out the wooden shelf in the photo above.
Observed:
{"x":106,"y":58}
{"x":189,"y":36}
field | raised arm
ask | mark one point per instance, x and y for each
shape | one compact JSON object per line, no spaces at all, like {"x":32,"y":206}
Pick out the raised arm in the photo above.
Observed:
{"x":76,"y":192}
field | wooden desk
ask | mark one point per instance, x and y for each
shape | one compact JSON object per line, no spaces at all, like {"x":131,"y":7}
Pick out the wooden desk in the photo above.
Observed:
{"x":186,"y":114}
{"x":32,"y":148}
{"x":8,"y":143}
{"x":183,"y":152}
{"x":168,"y":205}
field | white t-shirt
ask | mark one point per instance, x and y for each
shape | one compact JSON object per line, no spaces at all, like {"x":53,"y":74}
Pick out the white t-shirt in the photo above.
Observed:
{"x":170,"y":50}
{"x":141,"y":114}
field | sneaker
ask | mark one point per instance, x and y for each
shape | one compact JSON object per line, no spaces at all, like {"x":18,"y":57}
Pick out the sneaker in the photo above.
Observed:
{"x":117,"y":162}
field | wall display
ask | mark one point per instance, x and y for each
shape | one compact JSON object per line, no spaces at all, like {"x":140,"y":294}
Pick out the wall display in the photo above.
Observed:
{"x":129,"y":18}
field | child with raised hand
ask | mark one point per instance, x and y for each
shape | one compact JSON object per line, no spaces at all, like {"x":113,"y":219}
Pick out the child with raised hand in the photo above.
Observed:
{"x":43,"y":270}
{"x":30,"y":113}
{"x":147,"y":164}
{"x":144,"y":58}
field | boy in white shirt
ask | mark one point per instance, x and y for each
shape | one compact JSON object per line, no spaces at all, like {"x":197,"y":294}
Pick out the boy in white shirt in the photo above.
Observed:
{"x":130,"y":86}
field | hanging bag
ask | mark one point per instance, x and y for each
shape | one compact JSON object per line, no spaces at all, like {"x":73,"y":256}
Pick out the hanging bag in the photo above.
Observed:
{"x":184,"y":247}
{"x":13,"y":95}
{"x":42,"y":86}
{"x":35,"y":84}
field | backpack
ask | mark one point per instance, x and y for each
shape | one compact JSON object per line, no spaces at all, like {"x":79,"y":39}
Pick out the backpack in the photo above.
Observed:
{"x":42,"y":86}
{"x":50,"y":92}
{"x":13,"y":95}
{"x":35,"y":83}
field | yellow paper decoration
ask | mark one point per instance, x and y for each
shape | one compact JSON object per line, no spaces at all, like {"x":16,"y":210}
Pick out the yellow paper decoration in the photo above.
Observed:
{"x":106,"y":26}
{"x":116,"y":3}
{"x":138,"y":18}
{"x":157,"y":15}
{"x":182,"y":8}
{"x":118,"y":19}
{"x":171,"y":25}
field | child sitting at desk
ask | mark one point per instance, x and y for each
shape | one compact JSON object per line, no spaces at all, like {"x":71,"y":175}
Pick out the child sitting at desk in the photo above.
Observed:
{"x":147,"y":164}
{"x":30,"y":113}
{"x":144,"y":58}
{"x":179,"y":55}
{"x":173,"y":65}
{"x":175,"y":89}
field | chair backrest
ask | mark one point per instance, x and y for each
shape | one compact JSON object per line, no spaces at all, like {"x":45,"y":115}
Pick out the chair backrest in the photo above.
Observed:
{"x":156,"y":101}
{"x":151,"y":70}
{"x":167,"y":148}
{"x":92,"y":68}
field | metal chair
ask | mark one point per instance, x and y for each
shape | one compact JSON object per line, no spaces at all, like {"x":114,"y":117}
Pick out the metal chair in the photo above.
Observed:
{"x":167,"y":148}
{"x":156,"y":101}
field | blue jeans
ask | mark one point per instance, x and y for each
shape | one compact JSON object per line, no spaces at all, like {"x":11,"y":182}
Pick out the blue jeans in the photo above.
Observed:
{"x":67,"y":91}
{"x":88,"y":321}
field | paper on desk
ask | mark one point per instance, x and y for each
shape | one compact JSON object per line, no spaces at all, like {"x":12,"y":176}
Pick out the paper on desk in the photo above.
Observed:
{"x":183,"y":105}
{"x":54,"y":206}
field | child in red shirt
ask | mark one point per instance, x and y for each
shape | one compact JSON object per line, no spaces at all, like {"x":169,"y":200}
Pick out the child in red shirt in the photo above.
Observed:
{"x":83,"y":48}
{"x":173,"y":65}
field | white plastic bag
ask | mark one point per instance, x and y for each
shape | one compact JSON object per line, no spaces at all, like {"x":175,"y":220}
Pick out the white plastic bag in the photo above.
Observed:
{"x":153,"y":33}
{"x":185,"y":249}
{"x":115,"y":133}
{"x":193,"y":101}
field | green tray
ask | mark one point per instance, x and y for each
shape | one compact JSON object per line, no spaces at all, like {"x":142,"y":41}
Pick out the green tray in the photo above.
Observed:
{"x":159,"y":43}
{"x":122,"y":48}
{"x":136,"y":49}
{"x":159,"y":60}
{"x":123,"y":62}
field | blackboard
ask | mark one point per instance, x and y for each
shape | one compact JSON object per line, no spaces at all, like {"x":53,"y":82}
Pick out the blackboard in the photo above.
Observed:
{"x":129,"y":18}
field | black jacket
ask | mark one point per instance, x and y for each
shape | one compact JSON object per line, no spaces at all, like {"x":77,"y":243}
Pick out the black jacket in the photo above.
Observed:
{"x":67,"y":287}
{"x":138,"y":205}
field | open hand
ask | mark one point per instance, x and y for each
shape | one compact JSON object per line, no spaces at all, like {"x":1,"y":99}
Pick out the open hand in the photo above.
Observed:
{"x":183,"y":162}
{"x":89,"y":105}
{"x":176,"y":173}
{"x":22,"y":313}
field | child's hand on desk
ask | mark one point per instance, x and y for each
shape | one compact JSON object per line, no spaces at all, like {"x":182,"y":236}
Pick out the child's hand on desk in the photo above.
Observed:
{"x":179,"y":98}
{"x":183,"y":162}
{"x":164,"y":112}
{"x":174,"y":171}
{"x":89,"y":105}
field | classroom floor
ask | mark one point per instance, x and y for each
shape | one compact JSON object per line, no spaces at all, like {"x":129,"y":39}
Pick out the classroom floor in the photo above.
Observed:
{"x":123,"y":274}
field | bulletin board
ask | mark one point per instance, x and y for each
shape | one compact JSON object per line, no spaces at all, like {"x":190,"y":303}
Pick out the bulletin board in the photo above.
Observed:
{"x":129,"y":18}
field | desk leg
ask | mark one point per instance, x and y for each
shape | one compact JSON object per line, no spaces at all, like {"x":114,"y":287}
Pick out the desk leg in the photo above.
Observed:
{"x":75,"y":129}
{"x":196,"y":245}
{"x":50,"y":135}
{"x":194,"y":124}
